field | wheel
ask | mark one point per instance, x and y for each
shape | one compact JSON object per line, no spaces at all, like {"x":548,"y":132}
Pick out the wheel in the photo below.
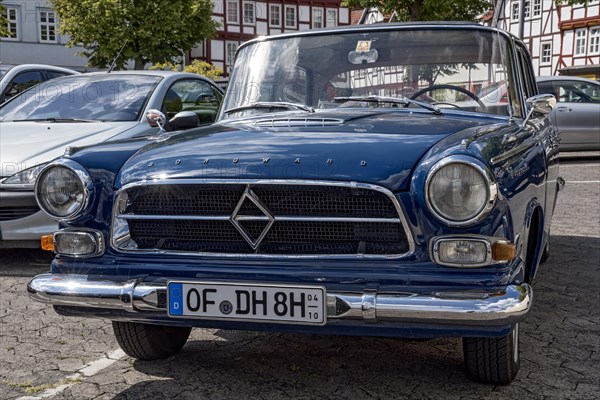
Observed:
{"x":450,"y":87}
{"x":545,"y":253}
{"x":493,"y":360}
{"x":149,"y":342}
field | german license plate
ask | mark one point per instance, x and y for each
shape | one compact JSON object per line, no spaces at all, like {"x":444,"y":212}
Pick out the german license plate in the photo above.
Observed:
{"x":271,"y":303}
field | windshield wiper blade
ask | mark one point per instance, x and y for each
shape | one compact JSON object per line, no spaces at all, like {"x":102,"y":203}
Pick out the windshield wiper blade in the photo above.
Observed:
{"x":53,"y":120}
{"x":271,"y":104}
{"x":388,"y":99}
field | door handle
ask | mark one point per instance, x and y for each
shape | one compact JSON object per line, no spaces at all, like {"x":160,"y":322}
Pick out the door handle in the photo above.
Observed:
{"x":564,"y":109}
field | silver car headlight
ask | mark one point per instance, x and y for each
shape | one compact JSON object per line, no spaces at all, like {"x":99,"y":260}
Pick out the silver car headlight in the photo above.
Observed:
{"x":460,"y":190}
{"x":63,"y":189}
{"x":25,"y":177}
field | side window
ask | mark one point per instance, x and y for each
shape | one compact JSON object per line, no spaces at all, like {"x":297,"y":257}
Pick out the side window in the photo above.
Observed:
{"x":55,"y":74}
{"x":21,"y":82}
{"x":193,"y":95}
{"x":546,"y":88}
{"x":576,"y":92}
{"x":529,"y":85}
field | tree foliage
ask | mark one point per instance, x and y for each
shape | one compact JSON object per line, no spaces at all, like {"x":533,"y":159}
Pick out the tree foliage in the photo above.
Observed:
{"x":149,"y":31}
{"x":196,"y":67}
{"x":3,"y":21}
{"x":426,"y":10}
{"x":572,"y":2}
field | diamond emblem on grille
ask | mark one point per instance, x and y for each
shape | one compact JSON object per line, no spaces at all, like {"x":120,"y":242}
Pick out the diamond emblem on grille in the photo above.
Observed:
{"x":252,"y":218}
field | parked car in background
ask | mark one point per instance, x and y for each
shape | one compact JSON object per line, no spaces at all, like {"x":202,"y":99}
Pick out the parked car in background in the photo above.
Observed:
{"x":37,"y":126}
{"x":362,"y":213}
{"x":577,"y":114}
{"x":15,"y":79}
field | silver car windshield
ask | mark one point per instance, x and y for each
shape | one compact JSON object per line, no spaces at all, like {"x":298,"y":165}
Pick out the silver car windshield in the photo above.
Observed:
{"x":446,"y":68}
{"x":82,"y":98}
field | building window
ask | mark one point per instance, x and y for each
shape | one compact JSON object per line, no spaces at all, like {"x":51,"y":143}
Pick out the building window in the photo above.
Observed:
{"x":332,"y":17}
{"x":233,"y":12}
{"x":595,"y":40}
{"x":230,"y":55}
{"x":580,"y":42}
{"x":515,"y":11}
{"x":249,"y":15}
{"x":546,"y":53}
{"x":317,"y":18}
{"x":275,"y":15}
{"x":528,"y":9}
{"x":537,"y":8}
{"x":290,"y":17}
{"x":12,"y":22}
{"x":47,"y":26}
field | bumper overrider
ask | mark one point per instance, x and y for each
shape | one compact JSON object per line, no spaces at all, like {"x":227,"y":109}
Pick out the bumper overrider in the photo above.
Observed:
{"x":492,"y":307}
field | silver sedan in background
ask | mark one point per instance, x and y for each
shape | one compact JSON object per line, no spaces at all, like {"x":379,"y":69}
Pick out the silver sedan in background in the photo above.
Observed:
{"x":577,"y":113}
{"x":37,"y":125}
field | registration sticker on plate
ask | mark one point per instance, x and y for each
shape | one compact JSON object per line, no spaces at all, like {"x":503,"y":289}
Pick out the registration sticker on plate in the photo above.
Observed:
{"x":271,"y":303}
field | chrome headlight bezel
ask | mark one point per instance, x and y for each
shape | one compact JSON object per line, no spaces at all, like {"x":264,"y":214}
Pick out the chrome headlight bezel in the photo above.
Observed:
{"x":486,"y":174}
{"x":86,"y":184}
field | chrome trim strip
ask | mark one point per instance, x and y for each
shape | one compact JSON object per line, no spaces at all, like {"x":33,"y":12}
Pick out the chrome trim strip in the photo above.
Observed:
{"x":510,"y":153}
{"x":86,"y":182}
{"x":278,"y":122}
{"x":118,"y":232}
{"x":485,"y":172}
{"x":285,"y":218}
{"x":503,"y":306}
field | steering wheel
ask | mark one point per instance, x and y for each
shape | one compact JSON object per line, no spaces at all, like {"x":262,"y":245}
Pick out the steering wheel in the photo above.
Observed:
{"x":451,"y":87}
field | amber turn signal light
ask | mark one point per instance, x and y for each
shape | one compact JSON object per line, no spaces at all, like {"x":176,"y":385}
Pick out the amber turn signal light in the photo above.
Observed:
{"x":504,"y":251}
{"x":47,"y":242}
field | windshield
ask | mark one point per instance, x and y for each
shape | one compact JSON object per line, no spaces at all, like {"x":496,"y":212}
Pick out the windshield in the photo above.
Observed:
{"x":446,"y":68}
{"x":83,"y":97}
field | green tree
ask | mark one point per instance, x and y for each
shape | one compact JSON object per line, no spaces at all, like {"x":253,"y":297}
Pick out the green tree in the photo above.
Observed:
{"x":196,"y":67}
{"x":426,"y":10}
{"x":3,"y":21}
{"x":572,"y":2}
{"x":148,"y":31}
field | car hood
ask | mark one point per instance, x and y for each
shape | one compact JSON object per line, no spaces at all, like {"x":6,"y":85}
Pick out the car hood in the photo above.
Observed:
{"x":379,"y":147}
{"x":26,"y":144}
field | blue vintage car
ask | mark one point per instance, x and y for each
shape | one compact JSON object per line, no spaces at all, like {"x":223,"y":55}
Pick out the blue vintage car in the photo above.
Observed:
{"x":353,"y":184}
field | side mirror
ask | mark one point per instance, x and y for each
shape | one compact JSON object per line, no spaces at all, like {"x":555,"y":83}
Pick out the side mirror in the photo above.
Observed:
{"x":541,"y":103}
{"x":184,"y":120}
{"x":156,"y":118}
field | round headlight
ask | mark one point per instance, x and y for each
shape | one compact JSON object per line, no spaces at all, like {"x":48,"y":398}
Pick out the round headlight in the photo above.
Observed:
{"x":459,"y":191}
{"x":62,"y":189}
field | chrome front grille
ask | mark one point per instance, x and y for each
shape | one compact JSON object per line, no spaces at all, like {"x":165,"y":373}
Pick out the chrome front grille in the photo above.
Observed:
{"x":260,"y":218}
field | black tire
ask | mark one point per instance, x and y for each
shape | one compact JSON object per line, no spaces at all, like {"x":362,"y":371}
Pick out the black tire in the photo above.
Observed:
{"x":545,"y":253}
{"x":493,"y":360}
{"x":149,"y":342}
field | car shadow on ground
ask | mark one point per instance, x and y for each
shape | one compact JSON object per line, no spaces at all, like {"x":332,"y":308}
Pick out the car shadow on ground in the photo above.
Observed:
{"x":559,"y":350}
{"x":13,"y":260}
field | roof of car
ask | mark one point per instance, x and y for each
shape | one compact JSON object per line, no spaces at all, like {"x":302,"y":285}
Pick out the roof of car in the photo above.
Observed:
{"x":383,"y":26}
{"x":143,"y":72}
{"x":40,"y":66}
{"x":565,"y":78}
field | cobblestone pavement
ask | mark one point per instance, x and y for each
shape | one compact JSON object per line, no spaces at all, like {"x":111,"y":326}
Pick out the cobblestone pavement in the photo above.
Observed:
{"x":45,"y":355}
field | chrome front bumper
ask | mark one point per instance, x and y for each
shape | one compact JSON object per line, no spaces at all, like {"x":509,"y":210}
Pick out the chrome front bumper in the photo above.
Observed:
{"x":492,"y":307}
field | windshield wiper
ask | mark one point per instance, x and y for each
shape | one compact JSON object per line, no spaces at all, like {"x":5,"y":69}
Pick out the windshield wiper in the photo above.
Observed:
{"x":53,"y":120}
{"x":271,"y":104}
{"x":387,"y":99}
